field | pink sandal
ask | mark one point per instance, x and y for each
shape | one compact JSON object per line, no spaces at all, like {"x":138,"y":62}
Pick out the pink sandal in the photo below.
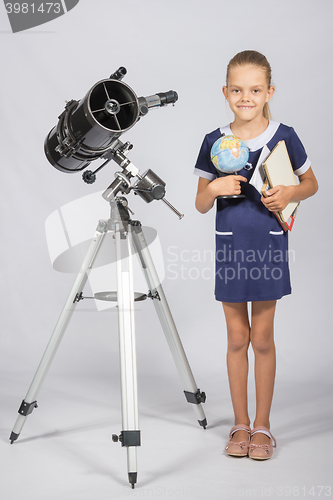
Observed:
{"x":262,"y":451}
{"x":238,"y":449}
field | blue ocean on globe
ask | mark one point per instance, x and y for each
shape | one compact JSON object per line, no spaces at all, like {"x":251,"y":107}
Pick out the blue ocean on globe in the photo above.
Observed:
{"x":229,"y":154}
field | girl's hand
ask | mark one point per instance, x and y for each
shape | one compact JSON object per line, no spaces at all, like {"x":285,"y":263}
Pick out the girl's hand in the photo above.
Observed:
{"x":228,"y":185}
{"x":278,"y":198}
{"x":208,"y":190}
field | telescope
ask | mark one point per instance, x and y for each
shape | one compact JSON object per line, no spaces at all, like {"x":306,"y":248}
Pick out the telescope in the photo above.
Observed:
{"x":89,"y":129}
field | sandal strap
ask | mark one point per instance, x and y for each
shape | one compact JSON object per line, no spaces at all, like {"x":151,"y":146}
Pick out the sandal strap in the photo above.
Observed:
{"x":239,"y":427}
{"x":264,"y":430}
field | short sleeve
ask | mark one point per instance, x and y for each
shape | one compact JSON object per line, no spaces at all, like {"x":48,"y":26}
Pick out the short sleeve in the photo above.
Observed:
{"x":297,"y":154}
{"x":204,"y":166}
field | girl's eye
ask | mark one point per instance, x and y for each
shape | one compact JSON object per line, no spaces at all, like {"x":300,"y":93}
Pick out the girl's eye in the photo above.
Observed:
{"x":256,"y":91}
{"x":235,"y":91}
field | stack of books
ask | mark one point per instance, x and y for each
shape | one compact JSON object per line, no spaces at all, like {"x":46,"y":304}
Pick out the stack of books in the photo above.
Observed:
{"x":278,"y":171}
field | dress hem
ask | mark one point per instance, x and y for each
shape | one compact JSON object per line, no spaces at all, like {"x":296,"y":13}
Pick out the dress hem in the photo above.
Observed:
{"x":235,"y":301}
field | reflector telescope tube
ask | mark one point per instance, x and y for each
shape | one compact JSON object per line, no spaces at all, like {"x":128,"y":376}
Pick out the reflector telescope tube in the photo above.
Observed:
{"x":88,"y":129}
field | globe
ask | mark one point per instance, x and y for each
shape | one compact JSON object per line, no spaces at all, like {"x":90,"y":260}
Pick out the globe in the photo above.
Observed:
{"x":229,"y":154}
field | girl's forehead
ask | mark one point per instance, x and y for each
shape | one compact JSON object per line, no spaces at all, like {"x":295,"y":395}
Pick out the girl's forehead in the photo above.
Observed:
{"x":247,"y":74}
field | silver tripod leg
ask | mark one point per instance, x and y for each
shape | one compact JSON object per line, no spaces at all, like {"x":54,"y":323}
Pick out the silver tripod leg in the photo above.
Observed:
{"x":192,"y":393}
{"x":130,"y":435}
{"x":29,"y":403}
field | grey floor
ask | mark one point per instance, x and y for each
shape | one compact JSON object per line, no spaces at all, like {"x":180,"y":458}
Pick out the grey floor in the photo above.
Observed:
{"x":65,"y":448}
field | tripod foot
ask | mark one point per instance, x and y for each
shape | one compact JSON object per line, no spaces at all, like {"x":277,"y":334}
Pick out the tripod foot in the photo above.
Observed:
{"x":132,"y":477}
{"x":13,"y":437}
{"x":203,"y":423}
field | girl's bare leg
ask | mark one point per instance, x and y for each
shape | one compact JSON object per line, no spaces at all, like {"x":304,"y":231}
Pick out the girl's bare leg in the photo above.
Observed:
{"x":262,"y":340}
{"x":238,"y":330}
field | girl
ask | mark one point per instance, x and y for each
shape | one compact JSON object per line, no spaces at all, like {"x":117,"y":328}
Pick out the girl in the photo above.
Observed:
{"x":251,"y":247}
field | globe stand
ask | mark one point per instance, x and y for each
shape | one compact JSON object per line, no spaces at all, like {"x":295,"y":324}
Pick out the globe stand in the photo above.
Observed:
{"x":229,"y":196}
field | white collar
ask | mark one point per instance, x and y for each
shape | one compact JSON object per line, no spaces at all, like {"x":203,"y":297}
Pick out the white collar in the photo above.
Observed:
{"x":260,"y":141}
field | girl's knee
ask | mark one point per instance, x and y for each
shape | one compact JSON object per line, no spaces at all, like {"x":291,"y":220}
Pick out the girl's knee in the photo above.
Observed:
{"x":238,"y":339}
{"x":262,"y":341}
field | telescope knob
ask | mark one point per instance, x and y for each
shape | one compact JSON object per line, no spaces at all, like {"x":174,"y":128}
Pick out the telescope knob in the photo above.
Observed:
{"x":116,"y":438}
{"x":89,"y":177}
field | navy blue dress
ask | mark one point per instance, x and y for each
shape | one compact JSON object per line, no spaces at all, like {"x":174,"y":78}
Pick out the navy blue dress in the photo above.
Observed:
{"x":251,"y":259}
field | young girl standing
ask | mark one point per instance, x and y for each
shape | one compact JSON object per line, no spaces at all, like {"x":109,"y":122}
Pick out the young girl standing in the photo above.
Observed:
{"x":251,"y":246}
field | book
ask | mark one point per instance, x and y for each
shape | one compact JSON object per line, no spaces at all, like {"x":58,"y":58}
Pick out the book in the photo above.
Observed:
{"x":286,"y":225}
{"x":278,"y":171}
{"x":258,"y":178}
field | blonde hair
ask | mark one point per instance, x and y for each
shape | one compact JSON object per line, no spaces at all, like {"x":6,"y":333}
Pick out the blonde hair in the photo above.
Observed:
{"x":253,"y":58}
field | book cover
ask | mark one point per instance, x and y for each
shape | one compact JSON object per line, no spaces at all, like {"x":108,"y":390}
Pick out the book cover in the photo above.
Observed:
{"x":279,"y":171}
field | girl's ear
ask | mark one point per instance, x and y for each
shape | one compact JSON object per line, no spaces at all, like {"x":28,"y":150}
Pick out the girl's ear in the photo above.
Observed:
{"x":225,"y":91}
{"x":270,"y":93}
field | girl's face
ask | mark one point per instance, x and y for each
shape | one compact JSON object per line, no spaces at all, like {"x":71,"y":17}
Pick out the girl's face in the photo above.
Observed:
{"x":247,"y":91}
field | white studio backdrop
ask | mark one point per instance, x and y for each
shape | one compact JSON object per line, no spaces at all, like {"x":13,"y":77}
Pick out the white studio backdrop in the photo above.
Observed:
{"x":183,"y":45}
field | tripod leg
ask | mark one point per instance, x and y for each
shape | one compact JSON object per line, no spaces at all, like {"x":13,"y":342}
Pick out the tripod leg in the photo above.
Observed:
{"x":192,"y":393}
{"x":29,"y":403}
{"x":130,"y":435}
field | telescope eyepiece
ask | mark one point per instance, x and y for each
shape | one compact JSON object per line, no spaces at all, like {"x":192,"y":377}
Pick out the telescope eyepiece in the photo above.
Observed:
{"x":169,"y":97}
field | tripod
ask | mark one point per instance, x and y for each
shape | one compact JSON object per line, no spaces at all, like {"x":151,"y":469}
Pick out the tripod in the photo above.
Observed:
{"x":128,"y":235}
